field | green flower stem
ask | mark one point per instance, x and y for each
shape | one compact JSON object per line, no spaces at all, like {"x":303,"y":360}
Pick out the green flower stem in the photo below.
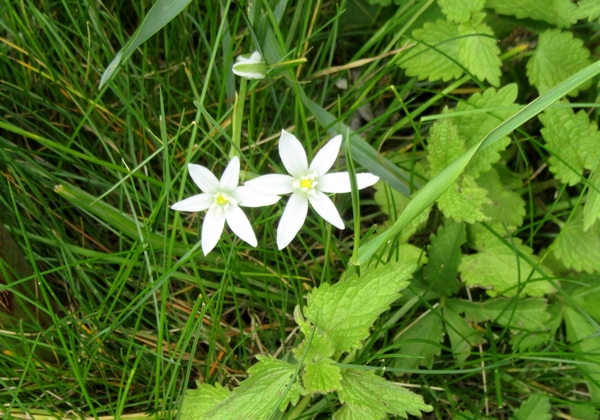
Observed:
{"x":238,"y":116}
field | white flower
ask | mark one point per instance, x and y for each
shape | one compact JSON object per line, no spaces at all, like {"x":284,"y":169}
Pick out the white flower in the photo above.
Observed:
{"x":307,"y":185}
{"x":250,"y":66}
{"x":222,"y":199}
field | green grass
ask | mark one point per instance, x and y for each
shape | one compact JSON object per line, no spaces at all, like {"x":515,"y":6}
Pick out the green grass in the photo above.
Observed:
{"x":116,"y":310}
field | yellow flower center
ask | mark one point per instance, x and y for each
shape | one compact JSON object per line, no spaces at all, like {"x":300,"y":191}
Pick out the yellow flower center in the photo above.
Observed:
{"x":306,"y":183}
{"x":221,"y":199}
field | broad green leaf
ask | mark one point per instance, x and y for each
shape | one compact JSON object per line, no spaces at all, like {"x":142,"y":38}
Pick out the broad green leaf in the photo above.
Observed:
{"x":572,"y":140}
{"x":421,"y":340}
{"x":506,"y":206}
{"x":367,"y":396}
{"x":478,"y":50}
{"x":533,"y":340}
{"x":579,"y":249}
{"x":464,"y":201}
{"x":365,"y":297}
{"x":444,"y":257}
{"x":586,"y":344}
{"x":444,"y":145}
{"x":322,"y":376}
{"x":518,"y":315}
{"x":198,"y":402}
{"x":587,"y":294}
{"x":558,"y":55}
{"x":258,"y":395}
{"x":436,"y":56}
{"x":499,"y":269}
{"x":557,"y":12}
{"x":588,"y":9}
{"x":462,"y":336}
{"x":460,"y":10}
{"x":159,"y":15}
{"x":473,"y":127}
{"x":321,"y":346}
{"x":537,"y":407}
{"x":591,"y":208}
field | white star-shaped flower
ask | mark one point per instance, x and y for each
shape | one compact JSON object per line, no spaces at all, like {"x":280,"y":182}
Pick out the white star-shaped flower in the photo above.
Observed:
{"x":307,"y":184}
{"x":222,"y":199}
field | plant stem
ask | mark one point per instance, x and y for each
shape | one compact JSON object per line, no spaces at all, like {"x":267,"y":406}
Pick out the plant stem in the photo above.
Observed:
{"x":238,"y":117}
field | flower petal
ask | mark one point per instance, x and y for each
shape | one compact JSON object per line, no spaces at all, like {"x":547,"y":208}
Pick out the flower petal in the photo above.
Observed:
{"x":272,"y":184}
{"x":196,"y":202}
{"x":292,"y":154}
{"x":212,"y":228}
{"x":326,"y":209}
{"x":339,"y":182}
{"x":203,"y":178}
{"x":231,"y":176}
{"x":292,"y":220}
{"x":250,"y":198}
{"x":240,"y":225}
{"x":326,"y":157}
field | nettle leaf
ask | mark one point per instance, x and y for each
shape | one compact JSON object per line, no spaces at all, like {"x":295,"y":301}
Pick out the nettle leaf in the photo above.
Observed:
{"x":460,"y":10}
{"x":586,"y":344}
{"x":464,"y":201}
{"x":462,"y":336}
{"x":444,"y":257}
{"x":574,"y":142}
{"x":366,"y":396}
{"x":576,"y":248}
{"x":588,"y":9}
{"x":506,"y":206}
{"x":322,"y":376}
{"x":421,"y":340}
{"x":537,"y":407}
{"x":533,"y":340}
{"x":591,"y":208}
{"x":557,"y":12}
{"x":475,"y":126}
{"x":436,"y":56}
{"x":480,"y":53}
{"x":198,"y":402}
{"x":444,"y":145}
{"x":558,"y":55}
{"x":365,"y":297}
{"x":258,"y":395}
{"x":516,"y":314}
{"x":498,"y":268}
{"x":320,"y":344}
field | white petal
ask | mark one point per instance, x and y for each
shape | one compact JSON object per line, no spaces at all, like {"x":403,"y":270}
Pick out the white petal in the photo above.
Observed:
{"x":292,"y":154}
{"x":203,"y":178}
{"x":339,"y":182}
{"x":231,"y":176}
{"x":250,"y":198}
{"x":240,"y":225}
{"x":197,"y":202}
{"x":326,"y":157}
{"x":272,"y":184}
{"x":292,"y":220}
{"x":212,"y":228}
{"x":326,"y":209}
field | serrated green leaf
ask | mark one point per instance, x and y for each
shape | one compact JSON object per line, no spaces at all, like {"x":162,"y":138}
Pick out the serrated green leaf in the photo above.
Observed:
{"x":322,"y":376}
{"x":473,"y":127}
{"x":579,"y":249}
{"x":586,"y":344}
{"x":460,"y":10}
{"x":528,"y":340}
{"x":478,"y":50}
{"x":198,"y":402}
{"x":574,"y":142}
{"x":371,"y":396}
{"x":320,"y":344}
{"x":436,"y":56}
{"x":365,"y":297}
{"x":498,"y":268}
{"x":588,"y":9}
{"x":464,"y":201}
{"x":258,"y":395}
{"x":523,"y":314}
{"x":591,"y":208}
{"x":558,"y":55}
{"x":537,"y":407}
{"x":444,"y":257}
{"x":444,"y":145}
{"x":421,"y":340}
{"x":557,"y":12}
{"x":462,"y":336}
{"x":506,"y":206}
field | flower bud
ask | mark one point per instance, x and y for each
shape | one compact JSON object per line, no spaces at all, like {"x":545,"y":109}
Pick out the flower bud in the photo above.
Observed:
{"x":250,"y":66}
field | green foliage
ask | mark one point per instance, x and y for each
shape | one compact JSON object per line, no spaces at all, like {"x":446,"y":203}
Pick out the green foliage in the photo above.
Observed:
{"x":537,"y":407}
{"x":479,"y":53}
{"x":322,"y":376}
{"x":198,"y":402}
{"x":464,"y":201}
{"x":460,"y":11}
{"x":462,"y":336}
{"x":420,"y":343}
{"x":506,"y":207}
{"x":557,"y":12}
{"x":576,"y":248}
{"x":591,"y":208}
{"x":588,"y":9}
